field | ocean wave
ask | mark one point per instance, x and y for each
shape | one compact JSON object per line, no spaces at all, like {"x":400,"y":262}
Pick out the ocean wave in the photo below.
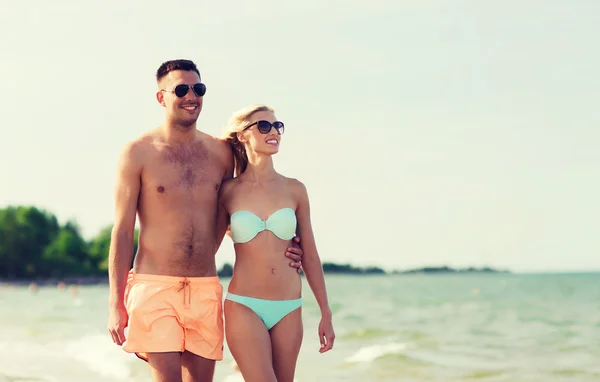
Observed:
{"x":483,"y":374}
{"x":366,"y":333}
{"x":20,"y":378}
{"x":370,"y":353}
{"x":572,"y":373}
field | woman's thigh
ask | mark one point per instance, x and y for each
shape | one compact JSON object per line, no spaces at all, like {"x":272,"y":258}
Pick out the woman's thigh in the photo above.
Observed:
{"x":249,"y":342}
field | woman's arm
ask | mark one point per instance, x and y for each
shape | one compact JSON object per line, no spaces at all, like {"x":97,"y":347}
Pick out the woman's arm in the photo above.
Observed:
{"x":311,"y":263}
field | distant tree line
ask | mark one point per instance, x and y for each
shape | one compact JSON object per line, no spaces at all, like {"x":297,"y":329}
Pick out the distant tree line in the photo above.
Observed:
{"x":349,"y":269}
{"x":34,"y":245}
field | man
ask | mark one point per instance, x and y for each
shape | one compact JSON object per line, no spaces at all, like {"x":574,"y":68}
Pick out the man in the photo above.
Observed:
{"x":170,"y":177}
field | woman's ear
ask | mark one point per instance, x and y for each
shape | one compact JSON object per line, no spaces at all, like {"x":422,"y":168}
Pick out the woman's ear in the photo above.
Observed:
{"x":241,"y":137}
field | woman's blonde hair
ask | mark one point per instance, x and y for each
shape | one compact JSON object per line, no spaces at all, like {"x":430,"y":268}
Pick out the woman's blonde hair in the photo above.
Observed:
{"x":237,"y":123}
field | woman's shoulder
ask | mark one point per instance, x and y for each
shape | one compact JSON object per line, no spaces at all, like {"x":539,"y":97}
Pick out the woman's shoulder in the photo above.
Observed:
{"x":295,"y":185}
{"x":227,"y":187}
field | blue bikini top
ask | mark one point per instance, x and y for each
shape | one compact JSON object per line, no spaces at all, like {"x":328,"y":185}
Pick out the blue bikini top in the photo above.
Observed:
{"x":245,"y":225}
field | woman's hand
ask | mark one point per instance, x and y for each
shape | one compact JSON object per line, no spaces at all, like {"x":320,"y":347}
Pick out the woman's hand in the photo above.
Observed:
{"x":326,"y":333}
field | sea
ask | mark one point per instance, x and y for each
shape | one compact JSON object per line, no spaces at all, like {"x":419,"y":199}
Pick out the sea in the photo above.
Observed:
{"x":442,"y":327}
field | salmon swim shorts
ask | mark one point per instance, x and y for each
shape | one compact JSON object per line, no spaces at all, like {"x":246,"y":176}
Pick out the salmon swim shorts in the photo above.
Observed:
{"x":173,"y":314}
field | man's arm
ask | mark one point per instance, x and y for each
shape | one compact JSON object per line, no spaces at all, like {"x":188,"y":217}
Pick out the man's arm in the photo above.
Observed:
{"x":222,"y":223}
{"x":295,"y":253}
{"x":126,"y":195}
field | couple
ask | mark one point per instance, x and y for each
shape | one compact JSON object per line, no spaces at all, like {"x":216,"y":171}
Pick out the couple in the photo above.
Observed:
{"x":179,"y":182}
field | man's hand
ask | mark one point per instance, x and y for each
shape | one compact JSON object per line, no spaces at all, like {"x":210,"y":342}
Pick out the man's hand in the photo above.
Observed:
{"x":295,"y":253}
{"x":117,"y":322}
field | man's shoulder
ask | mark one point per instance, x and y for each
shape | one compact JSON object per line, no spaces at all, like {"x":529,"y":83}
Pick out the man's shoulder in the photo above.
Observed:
{"x":219,"y":147}
{"x":141,"y":141}
{"x":137,"y":148}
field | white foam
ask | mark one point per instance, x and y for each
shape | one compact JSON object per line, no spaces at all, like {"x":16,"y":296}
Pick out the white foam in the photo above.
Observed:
{"x":78,"y":302}
{"x":100,"y":355}
{"x":93,"y":352}
{"x":371,"y":353}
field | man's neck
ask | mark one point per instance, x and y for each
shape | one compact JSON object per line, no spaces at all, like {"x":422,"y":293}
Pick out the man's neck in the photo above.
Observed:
{"x":174,"y":133}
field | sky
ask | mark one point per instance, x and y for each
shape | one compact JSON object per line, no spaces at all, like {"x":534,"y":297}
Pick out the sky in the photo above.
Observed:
{"x":461,"y":133}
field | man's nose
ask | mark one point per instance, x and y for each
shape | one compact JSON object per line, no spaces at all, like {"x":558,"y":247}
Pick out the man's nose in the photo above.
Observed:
{"x":190,"y":95}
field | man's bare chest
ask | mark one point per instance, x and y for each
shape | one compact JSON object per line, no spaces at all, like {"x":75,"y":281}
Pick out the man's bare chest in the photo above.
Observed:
{"x":184,"y":171}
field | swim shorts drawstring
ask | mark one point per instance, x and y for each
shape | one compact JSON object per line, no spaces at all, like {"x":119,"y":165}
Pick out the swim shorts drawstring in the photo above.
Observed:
{"x":187,"y":291}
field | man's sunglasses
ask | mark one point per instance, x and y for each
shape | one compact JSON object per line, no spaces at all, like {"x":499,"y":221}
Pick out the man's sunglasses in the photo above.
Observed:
{"x":183,"y":89}
{"x":265,"y":126}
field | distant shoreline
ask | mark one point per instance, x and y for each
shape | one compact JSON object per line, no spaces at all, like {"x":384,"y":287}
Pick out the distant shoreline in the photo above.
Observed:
{"x":227,"y":270}
{"x":351,"y":270}
{"x":446,"y":269}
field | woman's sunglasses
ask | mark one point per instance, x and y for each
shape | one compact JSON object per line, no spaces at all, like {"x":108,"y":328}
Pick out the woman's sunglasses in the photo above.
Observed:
{"x":265,"y":126}
{"x":183,"y":89}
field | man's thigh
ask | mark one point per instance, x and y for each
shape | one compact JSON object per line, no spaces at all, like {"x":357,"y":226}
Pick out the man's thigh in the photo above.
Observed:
{"x":165,"y":367}
{"x":196,"y":369}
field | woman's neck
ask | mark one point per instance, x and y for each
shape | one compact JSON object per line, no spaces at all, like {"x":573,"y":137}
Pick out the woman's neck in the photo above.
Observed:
{"x":260,"y":169}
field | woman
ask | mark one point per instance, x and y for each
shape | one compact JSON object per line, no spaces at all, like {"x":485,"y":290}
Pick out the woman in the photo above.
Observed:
{"x":263,"y":305}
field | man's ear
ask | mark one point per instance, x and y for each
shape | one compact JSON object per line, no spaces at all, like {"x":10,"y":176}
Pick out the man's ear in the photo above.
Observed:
{"x":160,"y":97}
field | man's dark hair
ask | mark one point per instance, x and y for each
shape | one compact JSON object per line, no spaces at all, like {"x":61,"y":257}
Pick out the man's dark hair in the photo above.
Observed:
{"x":169,"y":66}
